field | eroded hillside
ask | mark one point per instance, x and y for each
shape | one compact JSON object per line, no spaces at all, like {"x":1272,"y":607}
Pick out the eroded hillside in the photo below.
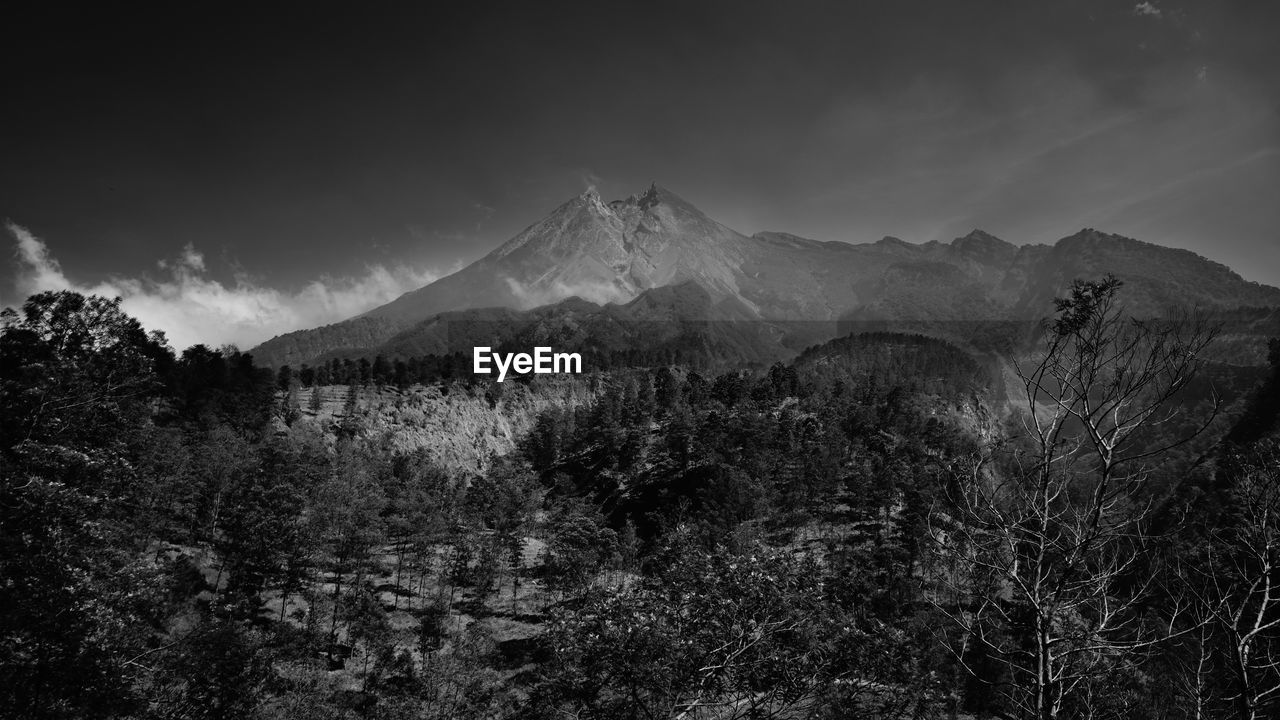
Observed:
{"x":462,"y":429}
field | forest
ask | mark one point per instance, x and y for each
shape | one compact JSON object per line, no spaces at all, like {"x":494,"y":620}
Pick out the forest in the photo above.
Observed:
{"x":887,"y":526}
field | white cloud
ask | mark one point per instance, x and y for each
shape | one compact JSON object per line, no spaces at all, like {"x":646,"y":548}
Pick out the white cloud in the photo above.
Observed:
{"x":590,"y":181}
{"x":38,"y":270}
{"x":599,"y":293}
{"x":1147,"y":8}
{"x":192,"y":308}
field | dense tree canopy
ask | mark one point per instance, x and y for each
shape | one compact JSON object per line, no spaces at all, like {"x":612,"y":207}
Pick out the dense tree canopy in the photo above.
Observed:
{"x":871,"y":530}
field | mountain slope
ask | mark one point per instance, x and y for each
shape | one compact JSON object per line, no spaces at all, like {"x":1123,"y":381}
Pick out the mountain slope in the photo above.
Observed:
{"x":616,"y":252}
{"x":589,"y":249}
{"x":683,"y":321}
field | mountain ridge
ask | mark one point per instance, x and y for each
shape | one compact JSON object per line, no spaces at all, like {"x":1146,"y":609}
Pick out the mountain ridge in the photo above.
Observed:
{"x":615,"y":252}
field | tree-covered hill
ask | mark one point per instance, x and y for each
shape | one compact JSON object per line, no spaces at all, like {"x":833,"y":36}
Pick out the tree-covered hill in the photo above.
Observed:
{"x":875,"y":528}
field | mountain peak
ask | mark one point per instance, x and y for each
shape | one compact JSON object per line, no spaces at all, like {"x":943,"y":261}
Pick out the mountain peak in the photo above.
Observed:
{"x":981,"y":241}
{"x":1094,"y":237}
{"x":590,"y":199}
{"x":661,"y":195}
{"x":889,"y":241}
{"x":650,"y":197}
{"x":978,"y":234}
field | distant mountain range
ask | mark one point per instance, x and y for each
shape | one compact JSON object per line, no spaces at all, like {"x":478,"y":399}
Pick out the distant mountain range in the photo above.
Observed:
{"x":649,"y":269}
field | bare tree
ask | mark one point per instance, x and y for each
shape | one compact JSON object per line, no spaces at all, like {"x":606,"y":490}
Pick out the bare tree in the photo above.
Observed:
{"x":1238,"y":585}
{"x":1189,"y":667}
{"x":1052,"y":557}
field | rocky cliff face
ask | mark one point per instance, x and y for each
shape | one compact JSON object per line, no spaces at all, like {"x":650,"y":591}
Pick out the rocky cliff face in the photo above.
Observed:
{"x":617,"y":252}
{"x":460,"y":429}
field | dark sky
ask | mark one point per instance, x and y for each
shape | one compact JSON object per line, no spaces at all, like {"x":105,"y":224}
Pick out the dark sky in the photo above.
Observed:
{"x":277,"y":146}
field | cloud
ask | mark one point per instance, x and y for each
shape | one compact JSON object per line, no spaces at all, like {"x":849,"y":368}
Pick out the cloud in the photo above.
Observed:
{"x":192,"y":308}
{"x":1147,"y":8}
{"x":600,"y":293}
{"x":590,"y":181}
